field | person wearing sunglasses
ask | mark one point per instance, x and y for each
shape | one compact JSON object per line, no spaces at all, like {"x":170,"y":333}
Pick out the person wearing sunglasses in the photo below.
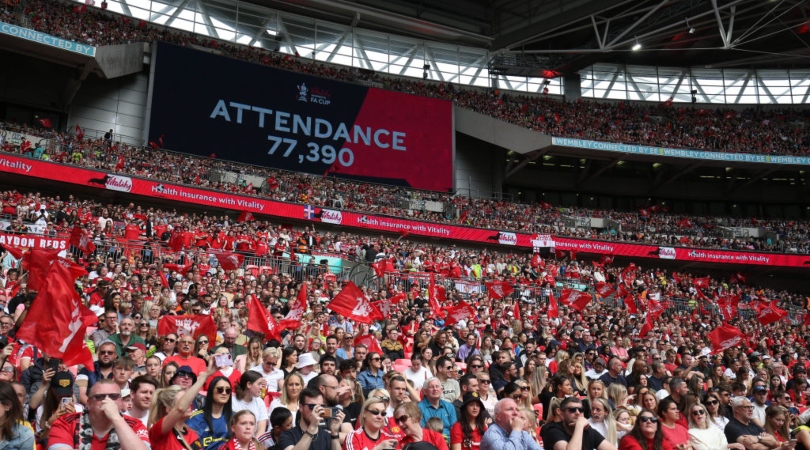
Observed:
{"x":645,"y":430}
{"x":171,"y":408}
{"x":103,"y":368}
{"x":100,"y":425}
{"x":307,"y":434}
{"x":374,"y":432}
{"x":211,"y":422}
{"x":704,"y":436}
{"x":742,"y":429}
{"x":573,"y":431}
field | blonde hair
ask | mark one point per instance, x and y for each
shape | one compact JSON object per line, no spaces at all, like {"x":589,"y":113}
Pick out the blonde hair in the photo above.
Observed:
{"x":162,"y":402}
{"x":553,"y":405}
{"x":617,"y":393}
{"x":610,"y":422}
{"x":366,"y":404}
{"x":285,"y":398}
{"x":538,"y":380}
{"x":604,"y":391}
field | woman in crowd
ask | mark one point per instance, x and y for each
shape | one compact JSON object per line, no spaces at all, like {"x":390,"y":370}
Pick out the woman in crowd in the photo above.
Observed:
{"x":146,"y":332}
{"x":623,"y":423}
{"x":617,"y":396}
{"x":417,"y":372}
{"x":527,"y":371}
{"x":538,"y":382}
{"x":487,"y":349}
{"x":525,"y":394}
{"x":602,"y":420}
{"x":280,"y":421}
{"x":243,"y":429}
{"x":351,"y":400}
{"x":371,"y":376}
{"x":776,"y":423}
{"x":252,"y":358}
{"x":638,"y":399}
{"x":211,"y":422}
{"x":170,"y":409}
{"x":648,"y":431}
{"x":716,"y":377}
{"x":289,"y":361}
{"x":13,"y":433}
{"x":52,"y":406}
{"x":560,"y":387}
{"x":716,"y":411}
{"x":674,"y":433}
{"x":202,"y":347}
{"x":248,"y":396}
{"x":346,"y":351}
{"x":466,"y":434}
{"x":529,"y":417}
{"x":228,"y":372}
{"x":167,"y":373}
{"x":372,"y":422}
{"x":702,"y":435}
{"x":293,"y":385}
{"x":596,"y":389}
{"x":409,"y":417}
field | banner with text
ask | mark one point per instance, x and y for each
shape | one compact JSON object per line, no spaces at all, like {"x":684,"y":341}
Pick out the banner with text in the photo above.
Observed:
{"x":246,"y":112}
{"x":69,"y":174}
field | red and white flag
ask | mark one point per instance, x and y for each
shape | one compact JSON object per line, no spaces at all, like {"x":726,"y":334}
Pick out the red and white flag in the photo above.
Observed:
{"x":729,"y":306}
{"x":299,"y":306}
{"x":575,"y":299}
{"x":59,"y":332}
{"x":436,"y":294}
{"x":369,"y":341}
{"x":80,"y":240}
{"x":768,"y":313}
{"x":245,"y":216}
{"x":379,"y":268}
{"x":456,"y":314}
{"x":701,"y":283}
{"x":553,"y":307}
{"x":353,"y":304}
{"x":724,"y":337}
{"x":38,"y":262}
{"x":630,"y":304}
{"x":230,"y":261}
{"x":605,"y":289}
{"x":193,"y":325}
{"x":499,"y":289}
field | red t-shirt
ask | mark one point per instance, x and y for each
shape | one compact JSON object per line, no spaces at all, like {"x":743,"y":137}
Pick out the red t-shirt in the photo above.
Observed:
{"x":429,"y":436}
{"x":675,"y":436}
{"x":457,"y":437}
{"x":65,"y":428}
{"x":169,"y":441}
{"x":196,"y":364}
{"x":630,"y":443}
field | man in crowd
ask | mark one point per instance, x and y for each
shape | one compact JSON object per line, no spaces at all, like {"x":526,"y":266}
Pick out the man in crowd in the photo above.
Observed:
{"x":124,"y":338}
{"x":741,"y":428}
{"x":229,"y":342}
{"x":444,"y":368}
{"x":432,"y":405}
{"x":142,"y":388}
{"x":614,"y":374}
{"x":101,"y":425}
{"x":103,"y":369}
{"x":573,"y":432}
{"x":185,"y":356}
{"x":508,"y":430}
{"x":108,"y":325}
{"x":307,"y":435}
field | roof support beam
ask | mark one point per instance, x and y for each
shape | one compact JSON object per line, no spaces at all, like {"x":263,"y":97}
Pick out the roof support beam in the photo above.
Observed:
{"x":632,"y":27}
{"x":601,"y":170}
{"x":531,"y":157}
{"x":677,"y":175}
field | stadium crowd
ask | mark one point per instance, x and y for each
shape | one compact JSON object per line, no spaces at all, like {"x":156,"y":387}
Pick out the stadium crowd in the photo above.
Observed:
{"x":753,"y":130}
{"x":514,"y":367}
{"x":653,"y":224}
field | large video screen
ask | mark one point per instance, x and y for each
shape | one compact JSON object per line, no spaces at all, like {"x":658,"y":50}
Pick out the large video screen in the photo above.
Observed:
{"x":206,"y":104}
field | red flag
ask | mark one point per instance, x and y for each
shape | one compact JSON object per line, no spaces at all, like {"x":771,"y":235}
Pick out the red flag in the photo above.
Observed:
{"x":630,"y":304}
{"x":575,"y":299}
{"x":606,"y":259}
{"x":460,"y":312}
{"x":80,"y":240}
{"x":17,"y":253}
{"x":245,"y":216}
{"x":724,"y":337}
{"x":553,"y":307}
{"x":46,"y":122}
{"x":701,"y":282}
{"x":648,"y":325}
{"x":76,"y":271}
{"x":517,"y":310}
{"x":59,"y":332}
{"x":369,"y":341}
{"x":499,"y":289}
{"x":79,"y":132}
{"x":230,"y":261}
{"x":260,"y":320}
{"x":182,"y":270}
{"x":768,"y":313}
{"x":353,"y":304}
{"x":435,"y":294}
{"x":604,"y":289}
{"x":379,"y":268}
{"x":38,"y":262}
{"x":299,"y":307}
{"x":154,"y":145}
{"x":192,"y":325}
{"x":537,"y":261}
{"x":622,"y":290}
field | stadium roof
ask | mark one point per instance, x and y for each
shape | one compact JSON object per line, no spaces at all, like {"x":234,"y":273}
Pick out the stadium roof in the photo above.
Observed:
{"x":568,"y":35}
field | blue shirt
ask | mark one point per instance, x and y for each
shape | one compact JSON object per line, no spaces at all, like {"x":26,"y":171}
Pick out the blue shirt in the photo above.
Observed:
{"x":496,"y":439}
{"x":446,"y":412}
{"x":211,"y":439}
{"x":370,"y":381}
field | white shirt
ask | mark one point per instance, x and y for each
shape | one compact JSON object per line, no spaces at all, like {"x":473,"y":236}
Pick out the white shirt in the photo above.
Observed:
{"x":272,"y":378}
{"x":418,"y":377}
{"x":256,"y":406}
{"x":144,"y":419}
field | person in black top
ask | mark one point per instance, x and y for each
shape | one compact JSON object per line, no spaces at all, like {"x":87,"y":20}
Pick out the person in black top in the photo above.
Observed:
{"x":573,"y":429}
{"x":307,"y":435}
{"x":743,"y":430}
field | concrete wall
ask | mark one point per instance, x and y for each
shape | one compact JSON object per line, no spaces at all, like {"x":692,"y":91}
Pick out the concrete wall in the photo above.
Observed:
{"x":120,"y":60}
{"x":118,"y":104}
{"x":479,"y":166}
{"x":498,"y":132}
